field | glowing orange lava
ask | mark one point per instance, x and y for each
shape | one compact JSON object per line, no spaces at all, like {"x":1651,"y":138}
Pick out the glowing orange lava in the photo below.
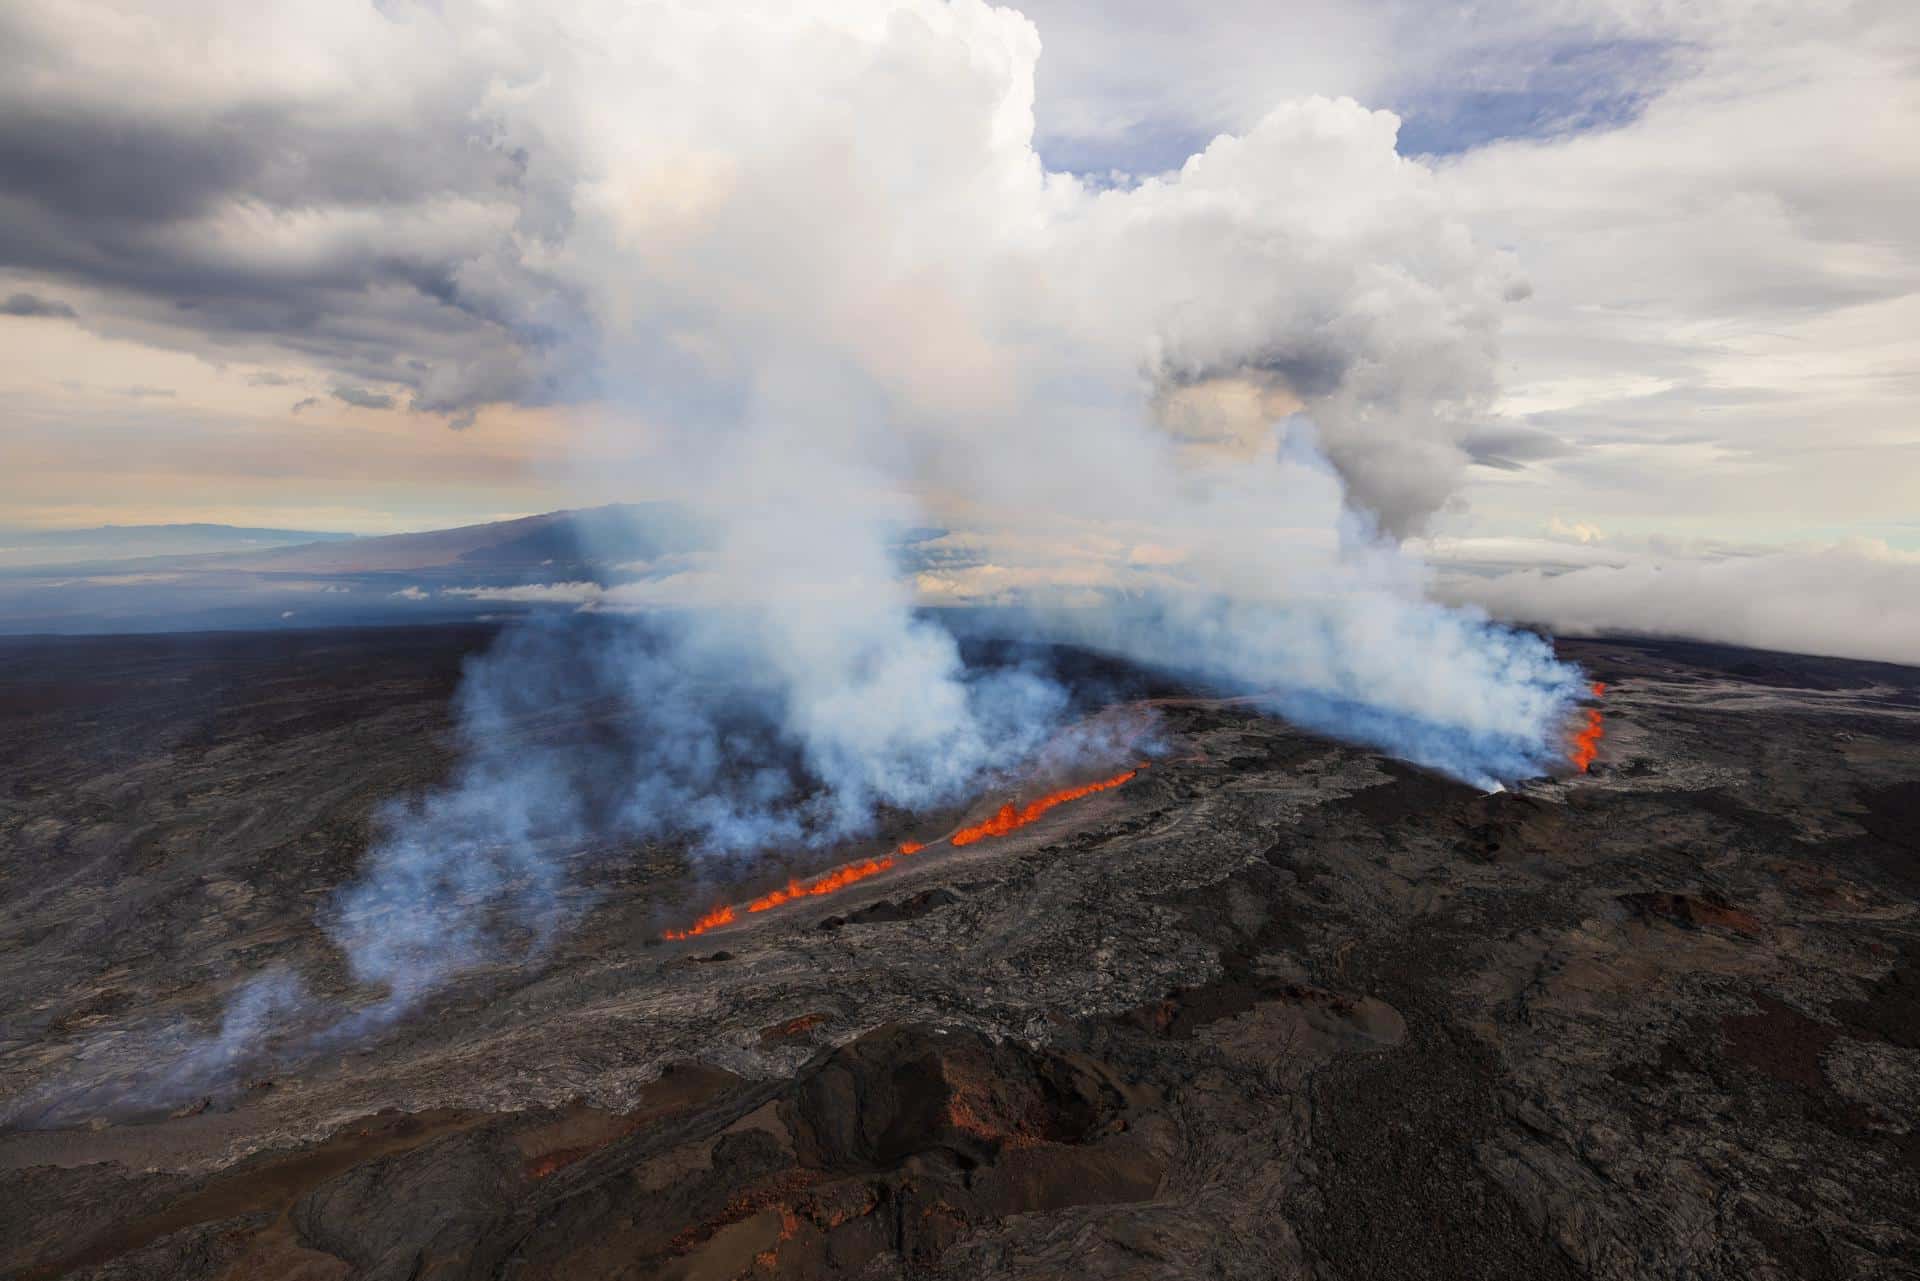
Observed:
{"x":1009,"y":818}
{"x":1006,"y":820}
{"x":1586,"y":739}
{"x":722,"y":915}
{"x":838,"y":879}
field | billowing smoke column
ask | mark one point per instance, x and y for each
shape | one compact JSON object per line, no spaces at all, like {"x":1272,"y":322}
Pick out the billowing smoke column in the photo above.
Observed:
{"x":832,"y":292}
{"x":579,"y":736}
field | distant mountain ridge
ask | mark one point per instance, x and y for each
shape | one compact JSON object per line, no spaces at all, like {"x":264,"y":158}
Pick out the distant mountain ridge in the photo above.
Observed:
{"x":34,"y":547}
{"x":580,"y":537}
{"x":145,"y":578}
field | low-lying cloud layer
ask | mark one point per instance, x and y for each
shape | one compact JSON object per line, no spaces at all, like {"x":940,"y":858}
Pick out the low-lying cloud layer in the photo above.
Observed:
{"x":1848,"y":600}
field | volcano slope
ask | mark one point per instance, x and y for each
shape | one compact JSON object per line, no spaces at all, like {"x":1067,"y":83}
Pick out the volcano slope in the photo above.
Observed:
{"x":1275,"y":1008}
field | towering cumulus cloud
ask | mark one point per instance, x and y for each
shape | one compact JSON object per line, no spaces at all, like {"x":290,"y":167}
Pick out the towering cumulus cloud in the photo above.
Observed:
{"x":837,"y":284}
{"x":801,"y":268}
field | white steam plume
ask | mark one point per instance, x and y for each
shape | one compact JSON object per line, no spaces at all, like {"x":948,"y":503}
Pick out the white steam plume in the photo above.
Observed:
{"x":834,"y":290}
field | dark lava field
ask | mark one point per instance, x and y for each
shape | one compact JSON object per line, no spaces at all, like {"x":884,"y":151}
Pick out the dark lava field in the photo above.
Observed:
{"x":1275,"y":1008}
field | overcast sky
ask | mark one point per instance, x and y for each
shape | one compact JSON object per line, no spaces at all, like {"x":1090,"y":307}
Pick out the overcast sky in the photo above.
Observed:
{"x":1566,"y":280}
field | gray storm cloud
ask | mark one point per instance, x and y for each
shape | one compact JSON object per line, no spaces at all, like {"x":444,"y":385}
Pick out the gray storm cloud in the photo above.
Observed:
{"x":821,"y":278}
{"x":454,"y":205}
{"x":26,"y":304}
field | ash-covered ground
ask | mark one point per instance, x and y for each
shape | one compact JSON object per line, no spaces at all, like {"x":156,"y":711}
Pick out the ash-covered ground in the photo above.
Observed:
{"x":1276,"y":1008}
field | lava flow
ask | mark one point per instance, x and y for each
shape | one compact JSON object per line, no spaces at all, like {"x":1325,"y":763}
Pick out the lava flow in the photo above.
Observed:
{"x":1586,"y":740}
{"x":722,"y":915}
{"x":1009,"y":818}
{"x":1005,"y":820}
{"x":838,"y":879}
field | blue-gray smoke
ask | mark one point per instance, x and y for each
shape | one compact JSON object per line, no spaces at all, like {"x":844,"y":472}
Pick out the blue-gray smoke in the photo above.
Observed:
{"x":175,"y":1063}
{"x":1444,"y":688}
{"x":583,"y":734}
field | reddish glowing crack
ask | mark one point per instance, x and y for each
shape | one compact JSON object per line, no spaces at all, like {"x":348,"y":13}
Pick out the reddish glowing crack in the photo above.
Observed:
{"x":1008,"y":818}
{"x":722,"y":915}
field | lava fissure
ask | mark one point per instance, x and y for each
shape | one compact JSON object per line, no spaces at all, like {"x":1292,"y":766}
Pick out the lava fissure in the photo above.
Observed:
{"x":1007,"y":818}
{"x":838,"y":879}
{"x":722,"y":915}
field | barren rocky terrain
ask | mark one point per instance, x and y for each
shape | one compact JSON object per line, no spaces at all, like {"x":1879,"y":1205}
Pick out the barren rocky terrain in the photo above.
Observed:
{"x":1275,"y":1008}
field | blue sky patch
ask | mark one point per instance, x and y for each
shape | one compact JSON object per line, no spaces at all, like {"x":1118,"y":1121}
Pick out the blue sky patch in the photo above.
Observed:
{"x":1575,"y":88}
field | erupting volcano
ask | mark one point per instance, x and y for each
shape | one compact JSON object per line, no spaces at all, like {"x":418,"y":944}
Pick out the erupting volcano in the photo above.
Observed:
{"x":1007,"y":819}
{"x":1586,"y":740}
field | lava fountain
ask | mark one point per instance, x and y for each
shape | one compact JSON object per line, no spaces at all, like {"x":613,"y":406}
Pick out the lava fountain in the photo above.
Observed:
{"x":1586,"y":739}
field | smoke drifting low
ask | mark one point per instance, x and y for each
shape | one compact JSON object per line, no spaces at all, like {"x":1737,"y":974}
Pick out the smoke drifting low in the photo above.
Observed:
{"x":583,"y":736}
